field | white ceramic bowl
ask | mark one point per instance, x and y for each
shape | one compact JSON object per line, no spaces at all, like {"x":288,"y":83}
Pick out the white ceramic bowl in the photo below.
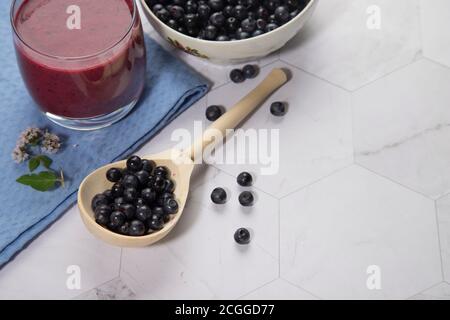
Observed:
{"x":229,"y":52}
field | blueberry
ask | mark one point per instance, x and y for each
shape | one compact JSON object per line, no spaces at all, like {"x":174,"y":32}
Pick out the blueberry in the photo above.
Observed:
{"x":191,"y":7}
{"x":148,"y":165}
{"x":157,"y":7}
{"x":102,"y":219}
{"x":158,"y":211}
{"x":271,"y":27}
{"x":177,"y":12}
{"x":232,"y":24}
{"x":130,"y":181}
{"x":244,"y":179}
{"x":278,"y":109}
{"x":294,"y":13}
{"x":237,"y":76}
{"x":250,"y":71}
{"x":163,"y":15}
{"x":219,"y":196}
{"x":248,"y":25}
{"x":257,"y":32}
{"x":114,"y":175}
{"x":271,"y":5}
{"x":143,"y":177}
{"x":210,"y":32}
{"x":139,"y":202}
{"x":261,"y":24}
{"x":161,"y":171}
{"x":99,"y":199}
{"x":148,"y":195}
{"x":117,"y":219}
{"x":130,"y":194}
{"x":137,"y":228}
{"x":143,"y":213}
{"x":102,"y":210}
{"x":120,"y":200}
{"x":190,"y":20}
{"x":203,"y":11}
{"x":124,"y":228}
{"x":128,"y":209}
{"x":109,"y":195}
{"x":134,"y":164}
{"x":213,"y":113}
{"x":241,"y":35}
{"x":262,"y":13}
{"x":163,"y":198}
{"x":173,"y":24}
{"x":242,"y":236}
{"x":222,"y":37}
{"x":228,"y":11}
{"x":292,"y":4}
{"x":169,"y":186}
{"x":217,"y":19}
{"x":282,"y":14}
{"x":246,"y":199}
{"x":117,"y":190}
{"x":156,"y":223}
{"x":240,"y":12}
{"x":216,"y":5}
{"x":171,"y":206}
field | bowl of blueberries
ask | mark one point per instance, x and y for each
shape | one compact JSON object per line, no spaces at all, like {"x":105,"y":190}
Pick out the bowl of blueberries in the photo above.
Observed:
{"x":228,"y":31}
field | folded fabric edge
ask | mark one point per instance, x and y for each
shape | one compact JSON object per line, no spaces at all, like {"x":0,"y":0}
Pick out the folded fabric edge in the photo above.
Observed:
{"x":13,"y":248}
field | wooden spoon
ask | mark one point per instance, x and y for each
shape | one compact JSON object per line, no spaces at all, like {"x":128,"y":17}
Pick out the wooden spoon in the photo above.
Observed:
{"x":180,"y":163}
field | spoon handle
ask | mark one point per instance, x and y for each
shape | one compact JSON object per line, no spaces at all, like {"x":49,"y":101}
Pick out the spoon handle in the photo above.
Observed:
{"x":241,"y":110}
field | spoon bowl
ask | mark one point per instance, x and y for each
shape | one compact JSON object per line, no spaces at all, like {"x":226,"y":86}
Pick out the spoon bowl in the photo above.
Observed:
{"x":180,"y":164}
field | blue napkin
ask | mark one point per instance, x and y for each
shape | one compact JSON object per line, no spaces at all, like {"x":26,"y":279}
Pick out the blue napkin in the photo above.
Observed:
{"x":24,"y":213}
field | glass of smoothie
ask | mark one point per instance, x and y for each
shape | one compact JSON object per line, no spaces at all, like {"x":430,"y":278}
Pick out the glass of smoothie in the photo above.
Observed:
{"x":83,"y":61}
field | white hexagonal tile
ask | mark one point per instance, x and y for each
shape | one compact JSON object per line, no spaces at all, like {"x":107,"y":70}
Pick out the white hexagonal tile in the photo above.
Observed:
{"x":279,"y":289}
{"x":443,"y":214}
{"x":338,"y":46}
{"x":200,"y":258}
{"x":438,"y":292}
{"x":315,"y":136}
{"x":40,"y":271}
{"x":435,"y":26}
{"x":402,"y":127}
{"x":218,"y":74}
{"x":335,"y":229}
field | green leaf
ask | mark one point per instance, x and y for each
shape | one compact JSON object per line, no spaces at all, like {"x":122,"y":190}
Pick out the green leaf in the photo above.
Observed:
{"x":36,"y":161}
{"x":43,"y":181}
{"x":33,"y":164}
{"x":46,"y":161}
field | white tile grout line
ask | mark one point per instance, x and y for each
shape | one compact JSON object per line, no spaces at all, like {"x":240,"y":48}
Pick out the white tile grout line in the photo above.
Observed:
{"x":393,"y":181}
{"x":316,"y":181}
{"x":253,"y":290}
{"x":439,"y":239}
{"x":279,"y":237}
{"x":424,"y":290}
{"x":443,"y":65}
{"x":315,"y":76}
{"x":301,"y":288}
{"x":120,"y":262}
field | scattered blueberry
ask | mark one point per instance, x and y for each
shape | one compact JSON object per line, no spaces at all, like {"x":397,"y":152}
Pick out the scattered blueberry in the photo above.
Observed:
{"x":250,"y":71}
{"x":244,"y":179}
{"x":213,"y":113}
{"x":219,"y":196}
{"x":246,"y":199}
{"x":242,"y":236}
{"x":114,"y":174}
{"x":278,"y":109}
{"x":237,"y":76}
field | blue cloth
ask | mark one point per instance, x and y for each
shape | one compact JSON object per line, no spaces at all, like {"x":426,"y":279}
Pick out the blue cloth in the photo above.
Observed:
{"x":24,"y":213}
